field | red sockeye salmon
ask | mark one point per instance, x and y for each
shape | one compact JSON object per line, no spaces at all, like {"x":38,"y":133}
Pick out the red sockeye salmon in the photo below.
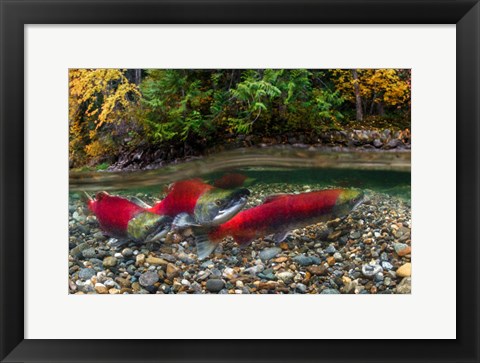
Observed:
{"x":278,"y":215}
{"x":125,"y":220}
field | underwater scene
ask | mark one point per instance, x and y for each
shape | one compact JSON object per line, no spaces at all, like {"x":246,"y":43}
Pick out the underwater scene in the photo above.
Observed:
{"x":277,"y":206}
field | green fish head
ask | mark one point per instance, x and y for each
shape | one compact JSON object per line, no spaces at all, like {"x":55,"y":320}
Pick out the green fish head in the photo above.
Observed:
{"x":148,"y":227}
{"x":349,"y":200}
{"x":219,"y":205}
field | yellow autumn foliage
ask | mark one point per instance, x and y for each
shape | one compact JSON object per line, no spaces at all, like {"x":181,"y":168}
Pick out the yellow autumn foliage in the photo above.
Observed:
{"x":97,"y":97}
{"x":376,"y":85}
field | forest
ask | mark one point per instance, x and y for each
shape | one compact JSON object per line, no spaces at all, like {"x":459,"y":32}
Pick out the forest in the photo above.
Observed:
{"x":114,"y":111}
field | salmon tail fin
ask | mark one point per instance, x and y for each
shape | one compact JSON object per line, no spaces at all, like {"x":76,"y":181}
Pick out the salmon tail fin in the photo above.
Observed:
{"x":88,"y":200}
{"x":86,"y":197}
{"x":205,"y":246}
{"x":140,"y":202}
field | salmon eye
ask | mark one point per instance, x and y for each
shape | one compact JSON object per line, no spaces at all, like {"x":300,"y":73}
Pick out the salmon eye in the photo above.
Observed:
{"x":218,"y":202}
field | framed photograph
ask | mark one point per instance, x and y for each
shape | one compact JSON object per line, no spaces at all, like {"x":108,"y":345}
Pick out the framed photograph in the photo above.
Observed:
{"x":239,"y":181}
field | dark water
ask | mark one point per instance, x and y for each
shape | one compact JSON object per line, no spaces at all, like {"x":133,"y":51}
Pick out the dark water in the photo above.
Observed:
{"x":384,"y":172}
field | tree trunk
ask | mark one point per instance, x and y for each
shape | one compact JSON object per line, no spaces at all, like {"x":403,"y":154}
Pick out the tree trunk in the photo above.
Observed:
{"x":358,"y":98}
{"x":138,"y":76}
{"x":373,"y":102}
{"x":380,"y":109}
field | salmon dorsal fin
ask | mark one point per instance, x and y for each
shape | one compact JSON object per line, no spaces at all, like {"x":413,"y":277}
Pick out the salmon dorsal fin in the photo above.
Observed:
{"x":272,"y":198}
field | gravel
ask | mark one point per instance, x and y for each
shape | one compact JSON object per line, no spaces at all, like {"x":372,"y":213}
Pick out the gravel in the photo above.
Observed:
{"x":367,"y":252}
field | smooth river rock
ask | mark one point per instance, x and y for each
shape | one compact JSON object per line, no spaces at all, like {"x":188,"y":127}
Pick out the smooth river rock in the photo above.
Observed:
{"x":148,"y":278}
{"x":269,"y":253}
{"x":215,"y":285}
{"x":405,"y":270}
{"x":109,"y":261}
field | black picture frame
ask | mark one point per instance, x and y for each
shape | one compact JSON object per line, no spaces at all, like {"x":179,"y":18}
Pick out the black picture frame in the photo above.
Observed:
{"x":16,"y":13}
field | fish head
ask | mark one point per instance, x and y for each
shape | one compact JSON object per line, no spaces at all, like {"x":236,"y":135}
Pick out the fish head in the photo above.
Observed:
{"x":148,"y":227}
{"x":348,"y":200}
{"x":217,"y":206}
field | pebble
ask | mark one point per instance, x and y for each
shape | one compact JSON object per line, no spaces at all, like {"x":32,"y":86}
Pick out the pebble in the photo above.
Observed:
{"x":196,"y":287}
{"x":330,"y":291}
{"x":350,"y":286}
{"x":285,"y":276}
{"x":185,"y":282}
{"x":355,"y":235}
{"x":168,"y":257}
{"x":405,"y":286}
{"x":202,"y":275}
{"x":301,"y":288}
{"x":89,"y":253}
{"x":269,"y":253}
{"x":155,"y":261}
{"x":254,"y":269}
{"x":338,"y":256}
{"x":304,"y":260}
{"x":377,"y":143}
{"x":172,"y":271}
{"x":404,"y":270}
{"x":270,"y":285}
{"x":148,"y":278}
{"x":127,"y":252}
{"x":77,"y":216}
{"x":215,"y":285}
{"x":140,"y":259}
{"x":400,"y":249}
{"x":216,"y":272}
{"x":378,"y":277}
{"x":331,"y":249}
{"x":101,"y":288}
{"x":386,"y":265}
{"x":123,"y":282}
{"x":317,"y":270}
{"x":109,"y":261}
{"x":109,"y":283}
{"x":71,"y":285}
{"x":334,"y":235}
{"x":86,"y":273}
{"x":229,"y":273}
{"x":405,"y":251}
{"x":284,"y":246}
{"x":370,"y":270}
{"x":207,"y":264}
{"x":185,"y":258}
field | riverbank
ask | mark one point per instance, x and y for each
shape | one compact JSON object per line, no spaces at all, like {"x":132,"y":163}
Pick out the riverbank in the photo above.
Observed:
{"x":368,"y":252}
{"x":150,"y":157}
